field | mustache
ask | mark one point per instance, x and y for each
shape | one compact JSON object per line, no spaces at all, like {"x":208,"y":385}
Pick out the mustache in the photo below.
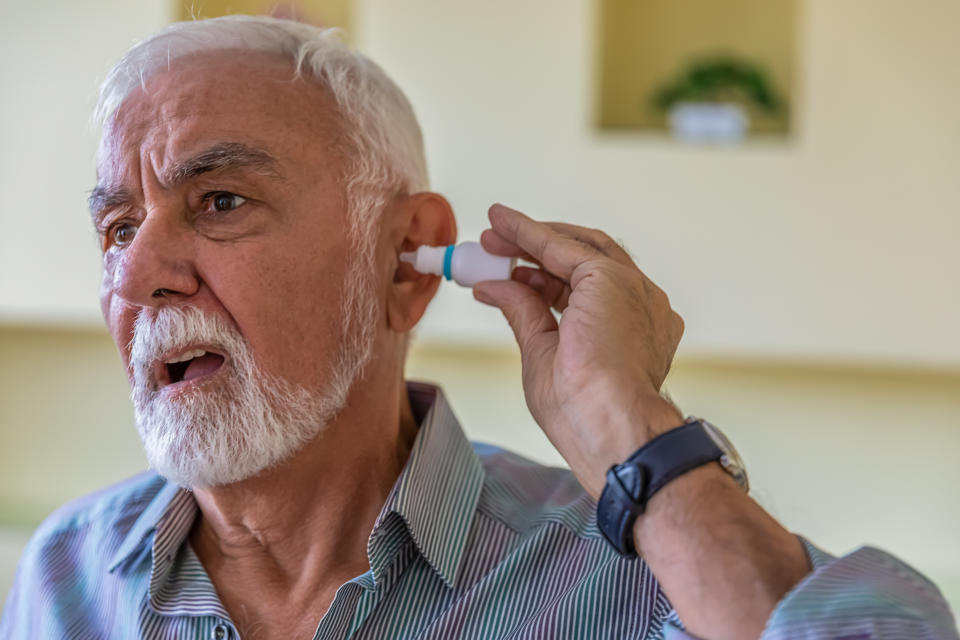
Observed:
{"x":158,"y":331}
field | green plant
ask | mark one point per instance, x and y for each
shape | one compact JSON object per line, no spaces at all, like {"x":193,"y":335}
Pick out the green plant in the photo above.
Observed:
{"x":720,"y":80}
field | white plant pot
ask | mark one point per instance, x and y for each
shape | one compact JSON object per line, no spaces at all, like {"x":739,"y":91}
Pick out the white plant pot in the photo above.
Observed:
{"x":708,"y":122}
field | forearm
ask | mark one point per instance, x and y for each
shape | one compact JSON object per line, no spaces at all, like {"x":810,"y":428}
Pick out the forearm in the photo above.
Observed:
{"x":720,"y":558}
{"x":723,"y":561}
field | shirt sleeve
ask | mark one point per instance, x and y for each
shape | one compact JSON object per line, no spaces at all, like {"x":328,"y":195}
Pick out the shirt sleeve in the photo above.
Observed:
{"x":866,"y":595}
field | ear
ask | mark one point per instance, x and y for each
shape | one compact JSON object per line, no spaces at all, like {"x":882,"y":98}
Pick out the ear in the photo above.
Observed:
{"x":421,"y":219}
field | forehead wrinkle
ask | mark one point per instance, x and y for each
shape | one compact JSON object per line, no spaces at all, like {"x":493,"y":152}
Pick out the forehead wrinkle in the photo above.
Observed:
{"x":226,"y":155}
{"x":220,"y":156}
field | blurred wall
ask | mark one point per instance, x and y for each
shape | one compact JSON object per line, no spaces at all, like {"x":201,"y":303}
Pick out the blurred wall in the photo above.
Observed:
{"x":818,"y":277}
{"x":838,"y":243}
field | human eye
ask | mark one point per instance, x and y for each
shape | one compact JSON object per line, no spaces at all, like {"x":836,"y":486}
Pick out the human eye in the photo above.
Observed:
{"x":120,"y":234}
{"x":223,"y":201}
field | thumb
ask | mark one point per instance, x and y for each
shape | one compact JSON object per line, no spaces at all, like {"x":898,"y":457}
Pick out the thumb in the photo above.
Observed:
{"x":525,"y":311}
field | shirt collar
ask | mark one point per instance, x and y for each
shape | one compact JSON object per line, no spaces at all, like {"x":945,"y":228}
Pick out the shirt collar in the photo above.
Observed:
{"x":435,"y":495}
{"x":152,"y":515}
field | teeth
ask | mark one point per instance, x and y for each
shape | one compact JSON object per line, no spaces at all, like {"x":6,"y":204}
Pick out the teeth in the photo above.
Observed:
{"x":188,"y":355}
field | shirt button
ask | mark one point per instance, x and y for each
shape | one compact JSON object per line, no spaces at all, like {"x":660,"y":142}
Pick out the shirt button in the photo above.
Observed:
{"x":220,"y":632}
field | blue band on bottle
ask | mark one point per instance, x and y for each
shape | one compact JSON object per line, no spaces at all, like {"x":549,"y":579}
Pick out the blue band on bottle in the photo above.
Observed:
{"x":448,"y":261}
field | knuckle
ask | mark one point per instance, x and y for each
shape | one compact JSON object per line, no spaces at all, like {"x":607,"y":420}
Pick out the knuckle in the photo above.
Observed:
{"x":609,"y":246}
{"x":678,"y":326}
{"x":542,"y":246}
{"x":605,"y":240}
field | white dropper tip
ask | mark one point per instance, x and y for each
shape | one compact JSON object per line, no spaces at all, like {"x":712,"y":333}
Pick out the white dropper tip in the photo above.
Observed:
{"x":408,"y":256}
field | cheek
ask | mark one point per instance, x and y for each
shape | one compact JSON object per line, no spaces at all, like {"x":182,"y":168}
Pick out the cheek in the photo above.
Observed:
{"x":118,"y":316}
{"x":106,"y":296}
{"x":287,"y":304}
{"x":120,"y":319}
{"x":108,"y":282}
{"x":305,"y":298}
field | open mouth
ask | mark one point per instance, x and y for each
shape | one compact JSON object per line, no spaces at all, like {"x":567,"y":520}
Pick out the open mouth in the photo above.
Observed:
{"x":191,"y":365}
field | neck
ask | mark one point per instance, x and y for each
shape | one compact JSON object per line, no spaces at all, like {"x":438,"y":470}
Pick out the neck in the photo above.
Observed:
{"x":306,"y":522}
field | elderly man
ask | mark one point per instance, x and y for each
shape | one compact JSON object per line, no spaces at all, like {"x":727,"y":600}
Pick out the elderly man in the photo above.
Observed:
{"x":257,"y":182}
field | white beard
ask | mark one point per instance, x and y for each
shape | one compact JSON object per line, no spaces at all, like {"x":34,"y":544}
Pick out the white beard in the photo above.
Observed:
{"x":244,"y":421}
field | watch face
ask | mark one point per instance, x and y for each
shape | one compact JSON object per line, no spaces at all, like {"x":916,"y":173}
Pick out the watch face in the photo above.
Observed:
{"x":730,"y":460}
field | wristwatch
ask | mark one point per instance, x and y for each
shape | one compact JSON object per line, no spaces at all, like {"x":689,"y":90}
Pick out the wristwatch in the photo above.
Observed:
{"x":631,"y":485}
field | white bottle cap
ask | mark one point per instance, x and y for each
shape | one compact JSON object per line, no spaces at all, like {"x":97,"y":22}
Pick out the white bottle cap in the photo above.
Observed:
{"x":426,"y":259}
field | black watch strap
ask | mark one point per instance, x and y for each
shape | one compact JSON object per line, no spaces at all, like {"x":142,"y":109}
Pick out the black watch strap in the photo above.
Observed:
{"x":631,"y":485}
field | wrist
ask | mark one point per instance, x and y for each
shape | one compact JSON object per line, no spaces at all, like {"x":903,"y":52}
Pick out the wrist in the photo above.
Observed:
{"x":651,"y":415}
{"x":682,"y":459}
{"x":708,"y":484}
{"x":626,"y":426}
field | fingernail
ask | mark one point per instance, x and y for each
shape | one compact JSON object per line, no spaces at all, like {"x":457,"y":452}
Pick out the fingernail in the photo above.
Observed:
{"x":536,"y":279}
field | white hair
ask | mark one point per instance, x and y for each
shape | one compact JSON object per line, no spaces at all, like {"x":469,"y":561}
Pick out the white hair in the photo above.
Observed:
{"x":385,"y":145}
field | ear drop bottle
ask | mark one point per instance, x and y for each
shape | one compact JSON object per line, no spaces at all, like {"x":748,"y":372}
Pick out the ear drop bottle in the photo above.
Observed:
{"x":466,"y":263}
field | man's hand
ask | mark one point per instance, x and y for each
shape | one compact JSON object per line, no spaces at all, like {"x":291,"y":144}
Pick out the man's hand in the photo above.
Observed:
{"x":592,"y":380}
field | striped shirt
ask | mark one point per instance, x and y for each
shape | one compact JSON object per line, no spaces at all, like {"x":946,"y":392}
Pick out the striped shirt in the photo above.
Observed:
{"x":472,"y":542}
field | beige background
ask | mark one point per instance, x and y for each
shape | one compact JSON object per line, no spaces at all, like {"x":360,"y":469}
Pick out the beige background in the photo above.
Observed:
{"x":838,"y":244}
{"x":324,"y":13}
{"x":818,"y":278}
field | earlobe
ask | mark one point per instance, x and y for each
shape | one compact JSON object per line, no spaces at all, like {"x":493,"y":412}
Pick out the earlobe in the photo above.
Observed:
{"x":421,"y":219}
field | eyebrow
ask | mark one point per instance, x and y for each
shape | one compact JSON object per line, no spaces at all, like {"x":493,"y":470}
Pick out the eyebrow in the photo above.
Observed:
{"x":226,"y":155}
{"x":106,"y":197}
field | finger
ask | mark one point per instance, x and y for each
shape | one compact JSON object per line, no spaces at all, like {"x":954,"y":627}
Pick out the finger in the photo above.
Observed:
{"x":526,"y":312}
{"x":557,"y":253}
{"x":554,"y":291}
{"x":496,"y":245}
{"x":595,"y":238}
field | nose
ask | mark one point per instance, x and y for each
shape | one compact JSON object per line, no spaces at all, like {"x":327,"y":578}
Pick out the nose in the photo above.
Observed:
{"x":158,"y":266}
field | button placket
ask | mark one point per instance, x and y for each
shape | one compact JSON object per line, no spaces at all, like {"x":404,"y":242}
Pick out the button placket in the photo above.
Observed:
{"x":220,"y":631}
